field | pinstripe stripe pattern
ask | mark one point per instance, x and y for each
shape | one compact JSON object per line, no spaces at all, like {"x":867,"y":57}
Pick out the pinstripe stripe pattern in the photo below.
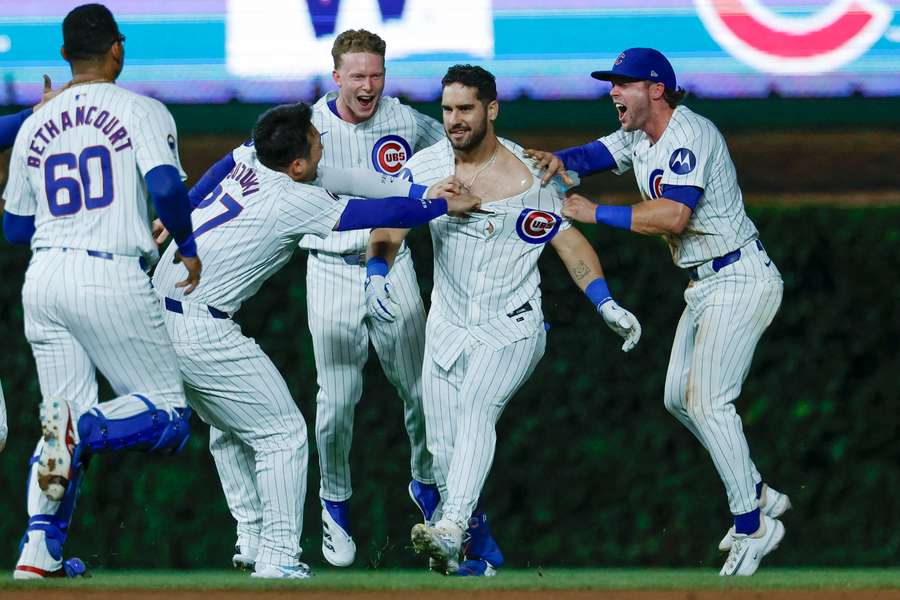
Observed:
{"x":476,"y":355}
{"x":258,"y":438}
{"x":725,"y":317}
{"x":241,"y":253}
{"x":727,"y":311}
{"x":87,"y":116}
{"x":85,"y":153}
{"x":719,"y":223}
{"x":338,"y":321}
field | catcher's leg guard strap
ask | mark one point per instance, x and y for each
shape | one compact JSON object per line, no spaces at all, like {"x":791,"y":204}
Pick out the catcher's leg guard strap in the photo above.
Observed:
{"x":152,"y":430}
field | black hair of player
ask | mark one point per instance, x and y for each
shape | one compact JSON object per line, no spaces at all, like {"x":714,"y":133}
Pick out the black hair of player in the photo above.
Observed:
{"x":674,"y":97}
{"x":89,"y":31}
{"x":281,"y":135}
{"x":475,"y":77}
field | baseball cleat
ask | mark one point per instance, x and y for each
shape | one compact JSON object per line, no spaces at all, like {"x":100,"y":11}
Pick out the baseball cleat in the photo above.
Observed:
{"x":338,"y":546}
{"x":72,"y":567}
{"x":54,"y":466}
{"x":426,"y":497}
{"x":300,"y":571}
{"x":747,"y":551}
{"x":771,"y":502}
{"x":243,"y":561}
{"x":476,"y":567}
{"x":442,"y":542}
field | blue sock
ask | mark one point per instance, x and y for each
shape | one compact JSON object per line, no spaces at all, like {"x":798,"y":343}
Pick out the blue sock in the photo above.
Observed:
{"x":747,"y":523}
{"x":340,"y":512}
{"x":759,"y":490}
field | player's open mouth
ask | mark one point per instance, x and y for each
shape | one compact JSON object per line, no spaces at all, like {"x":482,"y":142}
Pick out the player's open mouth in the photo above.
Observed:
{"x":622,"y":109}
{"x":365,"y":101}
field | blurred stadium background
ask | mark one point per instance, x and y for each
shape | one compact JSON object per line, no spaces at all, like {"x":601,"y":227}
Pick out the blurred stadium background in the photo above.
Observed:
{"x":590,"y":469}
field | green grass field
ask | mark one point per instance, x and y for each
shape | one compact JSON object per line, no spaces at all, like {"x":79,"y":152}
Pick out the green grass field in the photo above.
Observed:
{"x":521,"y":579}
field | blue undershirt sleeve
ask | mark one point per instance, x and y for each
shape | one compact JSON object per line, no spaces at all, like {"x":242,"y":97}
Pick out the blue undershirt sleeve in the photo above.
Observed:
{"x":18,"y":229}
{"x":689,"y":195}
{"x":213,"y":176}
{"x":397,"y":212}
{"x":586,"y":159}
{"x":172,"y":205}
{"x":9,"y":127}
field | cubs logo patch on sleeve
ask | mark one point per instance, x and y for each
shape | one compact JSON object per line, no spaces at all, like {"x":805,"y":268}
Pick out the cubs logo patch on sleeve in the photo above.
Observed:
{"x":537,"y":226}
{"x":655,"y":182}
{"x":682,"y":161}
{"x":390,"y":153}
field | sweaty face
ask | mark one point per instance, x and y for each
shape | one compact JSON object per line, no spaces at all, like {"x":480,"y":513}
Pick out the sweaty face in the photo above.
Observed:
{"x":311,"y":163}
{"x":632,"y":101}
{"x":360,"y":78}
{"x":465,"y":116}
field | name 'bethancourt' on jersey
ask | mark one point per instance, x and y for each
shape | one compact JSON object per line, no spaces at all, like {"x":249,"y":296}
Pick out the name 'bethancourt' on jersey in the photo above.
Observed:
{"x":84,"y":116}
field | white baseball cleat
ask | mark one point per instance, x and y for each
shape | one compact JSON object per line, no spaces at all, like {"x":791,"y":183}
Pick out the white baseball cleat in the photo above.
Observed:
{"x":747,"y":551}
{"x":54,"y":465}
{"x":338,"y":546}
{"x":442,"y":542}
{"x":300,"y":571}
{"x":771,"y":502}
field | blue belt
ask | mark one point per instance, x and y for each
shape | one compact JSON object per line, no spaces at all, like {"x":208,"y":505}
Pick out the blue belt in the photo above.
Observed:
{"x":176,"y":306}
{"x":356,"y":260}
{"x":721,"y":262}
{"x":94,"y":253}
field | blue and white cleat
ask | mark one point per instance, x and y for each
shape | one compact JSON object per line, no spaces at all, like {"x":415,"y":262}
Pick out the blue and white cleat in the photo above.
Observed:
{"x":338,"y":546}
{"x":482,"y":555}
{"x":426,"y":497}
{"x":299,"y":571}
{"x":771,"y":503}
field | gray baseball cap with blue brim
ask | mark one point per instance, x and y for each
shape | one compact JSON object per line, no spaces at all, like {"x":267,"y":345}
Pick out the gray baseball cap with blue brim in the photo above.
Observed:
{"x":641,"y":64}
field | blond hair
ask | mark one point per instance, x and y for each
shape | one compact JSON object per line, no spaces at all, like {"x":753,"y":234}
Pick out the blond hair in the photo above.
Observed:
{"x":356,"y":40}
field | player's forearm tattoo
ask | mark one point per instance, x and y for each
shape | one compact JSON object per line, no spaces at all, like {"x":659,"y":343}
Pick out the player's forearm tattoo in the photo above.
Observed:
{"x":580,"y":271}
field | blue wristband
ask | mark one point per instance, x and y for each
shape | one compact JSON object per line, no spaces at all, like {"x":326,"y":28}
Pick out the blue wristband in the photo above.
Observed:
{"x":376,"y":266}
{"x":615,"y":216}
{"x":598,"y":292}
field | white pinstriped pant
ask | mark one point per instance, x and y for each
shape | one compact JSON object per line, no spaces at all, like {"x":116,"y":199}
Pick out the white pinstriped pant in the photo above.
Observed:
{"x":462,"y":407}
{"x":341,"y":331}
{"x":258,"y":437}
{"x":84,"y":313}
{"x":725,"y":316}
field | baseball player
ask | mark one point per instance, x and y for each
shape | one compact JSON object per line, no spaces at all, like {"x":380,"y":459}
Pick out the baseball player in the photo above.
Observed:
{"x":248,"y":226}
{"x":363,"y":128}
{"x":692,"y":198}
{"x":80,"y":172}
{"x":485,"y":330}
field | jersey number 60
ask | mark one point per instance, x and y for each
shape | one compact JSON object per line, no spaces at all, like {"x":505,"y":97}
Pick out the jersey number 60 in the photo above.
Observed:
{"x":79,"y":190}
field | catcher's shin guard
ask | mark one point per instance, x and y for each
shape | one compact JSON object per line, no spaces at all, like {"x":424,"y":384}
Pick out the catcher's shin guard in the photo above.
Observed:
{"x":151,"y":430}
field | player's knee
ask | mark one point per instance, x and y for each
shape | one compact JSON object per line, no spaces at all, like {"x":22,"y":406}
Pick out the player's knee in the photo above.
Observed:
{"x":151,"y":430}
{"x":673,"y":401}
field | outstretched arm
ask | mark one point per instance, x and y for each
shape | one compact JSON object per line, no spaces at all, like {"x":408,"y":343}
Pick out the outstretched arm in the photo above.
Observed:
{"x":653,"y":217}
{"x":584,"y":267}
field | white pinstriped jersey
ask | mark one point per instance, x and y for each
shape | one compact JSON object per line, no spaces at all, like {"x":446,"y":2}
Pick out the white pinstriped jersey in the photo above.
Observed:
{"x":78,"y":166}
{"x":246,"y":230}
{"x":485,"y":265}
{"x":383,"y":143}
{"x":691,"y":151}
